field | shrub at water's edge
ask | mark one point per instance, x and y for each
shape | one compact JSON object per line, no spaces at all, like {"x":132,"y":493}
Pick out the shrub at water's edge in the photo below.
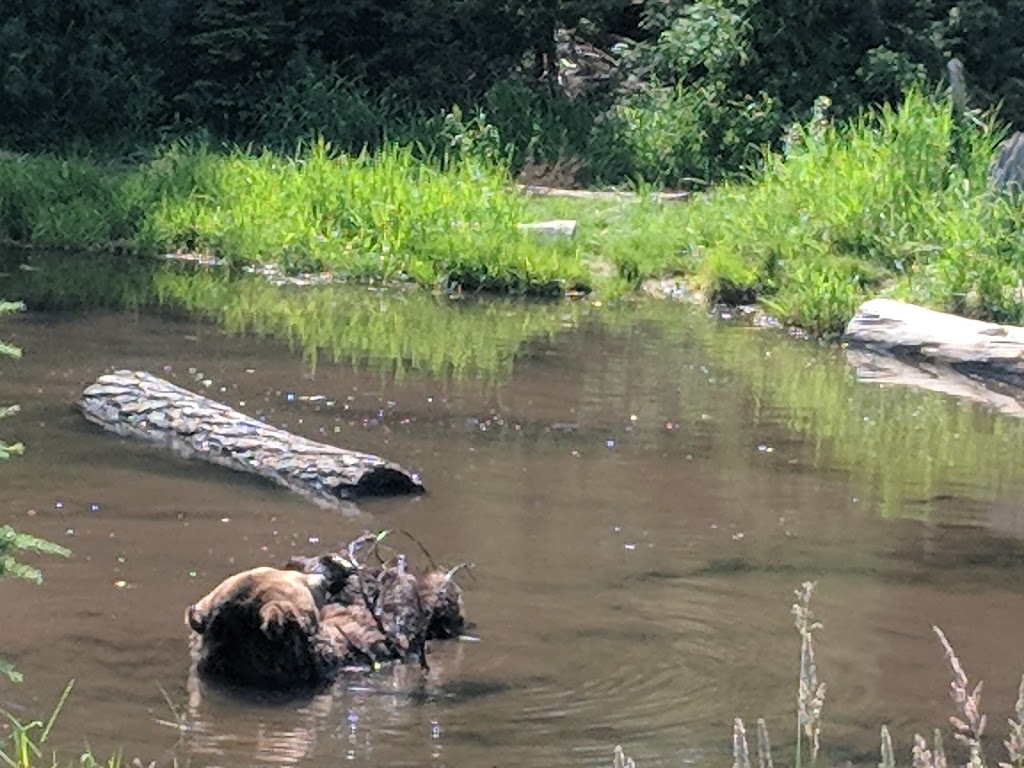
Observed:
{"x":884,"y":204}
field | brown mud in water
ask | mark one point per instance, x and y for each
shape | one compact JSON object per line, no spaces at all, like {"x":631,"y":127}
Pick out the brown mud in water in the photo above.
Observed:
{"x":640,"y":499}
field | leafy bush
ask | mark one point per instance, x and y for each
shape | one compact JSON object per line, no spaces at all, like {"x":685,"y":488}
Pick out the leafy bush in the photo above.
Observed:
{"x":12,"y":542}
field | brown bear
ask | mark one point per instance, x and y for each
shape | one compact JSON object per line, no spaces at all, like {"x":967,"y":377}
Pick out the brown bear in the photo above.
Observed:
{"x":295,"y":628}
{"x":354,"y":634}
{"x":441,"y":599}
{"x":260,"y":628}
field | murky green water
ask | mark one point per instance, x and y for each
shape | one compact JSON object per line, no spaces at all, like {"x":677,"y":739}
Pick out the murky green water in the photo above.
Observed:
{"x":640,"y":488}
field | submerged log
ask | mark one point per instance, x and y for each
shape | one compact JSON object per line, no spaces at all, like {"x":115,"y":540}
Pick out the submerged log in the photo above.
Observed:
{"x":140,"y":405}
{"x":973,"y":348}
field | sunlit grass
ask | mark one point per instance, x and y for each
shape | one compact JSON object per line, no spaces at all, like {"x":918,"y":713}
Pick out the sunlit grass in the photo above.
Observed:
{"x":379,"y":217}
{"x":885,"y":204}
{"x":896,"y":202}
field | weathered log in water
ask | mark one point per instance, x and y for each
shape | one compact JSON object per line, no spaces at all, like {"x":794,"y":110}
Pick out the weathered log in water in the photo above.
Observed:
{"x":972,"y":348}
{"x":140,"y":405}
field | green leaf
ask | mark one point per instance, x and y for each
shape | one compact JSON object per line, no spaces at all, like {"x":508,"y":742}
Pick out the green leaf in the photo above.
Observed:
{"x":7,"y":670}
{"x":14,"y":449}
{"x":24,"y":541}
{"x":11,"y":567}
{"x":9,"y":350}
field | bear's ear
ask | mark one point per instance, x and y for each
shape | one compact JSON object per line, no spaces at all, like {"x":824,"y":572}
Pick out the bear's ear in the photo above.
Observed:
{"x":192,"y":619}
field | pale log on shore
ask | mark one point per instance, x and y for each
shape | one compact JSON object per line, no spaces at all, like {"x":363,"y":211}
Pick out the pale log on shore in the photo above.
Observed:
{"x":969,"y":347}
{"x":140,"y":405}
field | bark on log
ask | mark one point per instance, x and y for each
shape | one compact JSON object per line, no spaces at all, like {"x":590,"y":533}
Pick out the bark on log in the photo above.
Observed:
{"x":140,"y":405}
{"x":970,"y":347}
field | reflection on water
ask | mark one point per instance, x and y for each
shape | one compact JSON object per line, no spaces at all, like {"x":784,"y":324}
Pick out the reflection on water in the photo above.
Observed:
{"x":641,"y":491}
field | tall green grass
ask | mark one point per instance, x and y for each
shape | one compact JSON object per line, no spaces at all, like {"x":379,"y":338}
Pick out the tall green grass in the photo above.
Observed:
{"x":894,"y":202}
{"x":385,"y":216}
{"x":897,"y":201}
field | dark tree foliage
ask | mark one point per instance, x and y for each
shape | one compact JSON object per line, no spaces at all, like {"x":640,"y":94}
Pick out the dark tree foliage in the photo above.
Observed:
{"x":109,"y":71}
{"x":74,"y":67}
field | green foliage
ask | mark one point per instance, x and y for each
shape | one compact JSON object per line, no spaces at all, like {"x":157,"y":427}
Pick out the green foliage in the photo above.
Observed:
{"x":9,"y":350}
{"x":848,"y":211}
{"x":703,"y":83}
{"x":48,"y":200}
{"x":675,"y":135}
{"x":70,"y":71}
{"x":12,"y":542}
{"x":311,"y":98}
{"x":23,"y":748}
{"x":380,"y":216}
{"x":895,"y":201}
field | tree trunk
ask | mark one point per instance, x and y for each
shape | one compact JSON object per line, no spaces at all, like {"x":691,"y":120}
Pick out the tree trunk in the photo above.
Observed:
{"x":138,"y":404}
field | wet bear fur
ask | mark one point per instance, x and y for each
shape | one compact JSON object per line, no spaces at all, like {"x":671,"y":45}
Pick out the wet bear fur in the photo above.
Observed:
{"x":297,"y":627}
{"x":439,"y":601}
{"x":353,"y":632}
{"x":442,"y":600}
{"x":260,"y":628}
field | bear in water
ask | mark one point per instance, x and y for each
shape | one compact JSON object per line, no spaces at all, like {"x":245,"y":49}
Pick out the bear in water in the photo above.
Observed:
{"x":297,"y":627}
{"x":260,"y":628}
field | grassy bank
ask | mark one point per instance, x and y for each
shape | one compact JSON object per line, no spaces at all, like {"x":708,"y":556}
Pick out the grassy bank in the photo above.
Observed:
{"x":381,"y":217}
{"x":896,"y":202}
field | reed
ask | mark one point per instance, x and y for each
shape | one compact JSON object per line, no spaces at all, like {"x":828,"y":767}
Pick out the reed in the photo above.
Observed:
{"x":968,"y":722}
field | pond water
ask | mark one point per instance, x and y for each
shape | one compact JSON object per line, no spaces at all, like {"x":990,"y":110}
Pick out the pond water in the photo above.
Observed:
{"x":640,"y":489}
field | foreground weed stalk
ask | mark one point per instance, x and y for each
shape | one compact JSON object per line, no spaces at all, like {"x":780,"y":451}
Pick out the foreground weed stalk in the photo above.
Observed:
{"x":25,"y":749}
{"x":1015,"y":743}
{"x":922,"y":757}
{"x":811,"y":692}
{"x":968,"y":722}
